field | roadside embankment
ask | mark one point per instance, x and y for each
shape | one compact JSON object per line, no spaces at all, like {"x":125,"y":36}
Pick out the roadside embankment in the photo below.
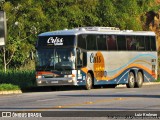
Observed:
{"x":9,"y":89}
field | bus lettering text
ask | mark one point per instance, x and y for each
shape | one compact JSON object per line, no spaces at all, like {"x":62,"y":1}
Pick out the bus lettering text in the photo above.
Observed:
{"x":95,"y":59}
{"x":56,"y":41}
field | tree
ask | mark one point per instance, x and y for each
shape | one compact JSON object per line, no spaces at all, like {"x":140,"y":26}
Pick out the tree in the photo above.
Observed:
{"x":27,"y":18}
{"x":106,"y":13}
{"x":128,"y":13}
{"x":21,"y":32}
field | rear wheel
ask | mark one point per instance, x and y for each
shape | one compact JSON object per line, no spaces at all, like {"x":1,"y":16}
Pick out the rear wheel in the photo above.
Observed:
{"x":139,"y":81}
{"x":131,"y":80}
{"x":88,"y":82}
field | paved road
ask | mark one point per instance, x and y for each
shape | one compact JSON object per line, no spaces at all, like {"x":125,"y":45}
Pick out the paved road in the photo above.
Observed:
{"x":117,"y":99}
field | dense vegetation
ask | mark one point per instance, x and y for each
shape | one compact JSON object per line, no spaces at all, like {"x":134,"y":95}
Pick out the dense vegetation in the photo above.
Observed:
{"x":27,"y":18}
{"x":23,"y":79}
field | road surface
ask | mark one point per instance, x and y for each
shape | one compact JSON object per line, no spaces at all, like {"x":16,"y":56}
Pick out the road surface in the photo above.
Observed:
{"x":146,"y":98}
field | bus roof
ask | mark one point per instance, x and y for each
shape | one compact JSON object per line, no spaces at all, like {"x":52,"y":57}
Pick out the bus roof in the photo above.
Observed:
{"x":97,"y":30}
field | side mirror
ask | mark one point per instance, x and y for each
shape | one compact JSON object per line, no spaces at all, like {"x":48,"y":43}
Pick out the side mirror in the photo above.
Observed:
{"x":79,"y":50}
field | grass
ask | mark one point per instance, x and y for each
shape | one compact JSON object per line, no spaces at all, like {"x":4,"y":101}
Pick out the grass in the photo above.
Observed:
{"x":7,"y":87}
{"x":158,"y":80}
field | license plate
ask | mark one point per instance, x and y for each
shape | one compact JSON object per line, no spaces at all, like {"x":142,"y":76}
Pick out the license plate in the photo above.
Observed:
{"x":54,"y":81}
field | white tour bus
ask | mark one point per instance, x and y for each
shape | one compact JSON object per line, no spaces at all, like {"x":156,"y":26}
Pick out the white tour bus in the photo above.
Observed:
{"x":96,"y":56}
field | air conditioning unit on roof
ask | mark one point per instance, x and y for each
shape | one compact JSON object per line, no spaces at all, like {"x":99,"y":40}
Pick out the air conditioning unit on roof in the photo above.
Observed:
{"x":103,"y":29}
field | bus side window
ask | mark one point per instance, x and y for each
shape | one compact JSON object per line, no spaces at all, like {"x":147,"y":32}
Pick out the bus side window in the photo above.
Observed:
{"x":82,"y":41}
{"x":84,"y":59}
{"x":131,"y":43}
{"x":147,"y":43}
{"x":101,"y":42}
{"x":91,"y":42}
{"x":121,"y":42}
{"x":111,"y":42}
{"x":81,"y":58}
{"x":153,"y":43}
{"x":140,"y":43}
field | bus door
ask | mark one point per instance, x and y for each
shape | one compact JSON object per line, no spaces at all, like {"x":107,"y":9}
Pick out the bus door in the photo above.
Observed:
{"x":81,"y":64}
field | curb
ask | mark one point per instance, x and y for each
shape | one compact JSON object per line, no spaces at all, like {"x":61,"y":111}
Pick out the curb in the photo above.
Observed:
{"x":151,"y":83}
{"x":10,"y":92}
{"x":146,"y":83}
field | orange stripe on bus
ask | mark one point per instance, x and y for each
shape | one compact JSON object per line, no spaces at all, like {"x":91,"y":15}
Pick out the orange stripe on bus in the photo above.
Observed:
{"x":43,"y":72}
{"x":129,"y":66}
{"x":85,"y":70}
{"x":142,"y":61}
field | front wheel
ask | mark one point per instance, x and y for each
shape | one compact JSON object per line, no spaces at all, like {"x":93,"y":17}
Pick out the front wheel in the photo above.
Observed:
{"x":131,"y":80}
{"x":88,"y":82}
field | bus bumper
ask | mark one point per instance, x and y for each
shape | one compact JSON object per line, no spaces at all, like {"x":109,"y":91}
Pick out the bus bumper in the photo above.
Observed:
{"x":56,"y":81}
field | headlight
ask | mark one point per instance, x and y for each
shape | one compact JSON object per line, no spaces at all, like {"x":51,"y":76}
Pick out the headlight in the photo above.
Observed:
{"x":39,"y":76}
{"x":39,"y":82}
{"x":69,"y":76}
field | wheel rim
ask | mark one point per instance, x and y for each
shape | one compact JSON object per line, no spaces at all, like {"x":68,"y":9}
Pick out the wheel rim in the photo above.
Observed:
{"x":89,"y":81}
{"x":131,"y":79}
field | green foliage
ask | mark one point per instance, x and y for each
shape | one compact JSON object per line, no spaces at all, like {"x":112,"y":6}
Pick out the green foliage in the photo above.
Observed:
{"x":27,"y":18}
{"x":23,"y":79}
{"x":107,"y":13}
{"x":6,"y":87}
{"x":158,"y":80}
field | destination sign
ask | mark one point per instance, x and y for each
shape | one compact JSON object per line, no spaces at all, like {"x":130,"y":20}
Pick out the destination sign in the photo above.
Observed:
{"x":67,"y":40}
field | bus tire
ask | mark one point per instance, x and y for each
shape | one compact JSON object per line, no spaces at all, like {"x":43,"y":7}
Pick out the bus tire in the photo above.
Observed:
{"x":88,"y":82}
{"x":139,"y":81}
{"x":131,"y":80}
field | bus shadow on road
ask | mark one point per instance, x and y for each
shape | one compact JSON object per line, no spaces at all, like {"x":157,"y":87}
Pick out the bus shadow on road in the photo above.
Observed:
{"x":115,"y":96}
{"x":58,"y":88}
{"x":51,"y":89}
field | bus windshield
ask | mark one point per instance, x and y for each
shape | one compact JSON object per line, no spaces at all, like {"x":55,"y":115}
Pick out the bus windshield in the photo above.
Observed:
{"x":55,"y":59}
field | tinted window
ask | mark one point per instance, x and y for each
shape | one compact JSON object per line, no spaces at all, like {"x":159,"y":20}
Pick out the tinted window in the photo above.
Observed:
{"x":121,"y":41}
{"x":140,"y":43}
{"x":111,"y":42}
{"x":131,"y":43}
{"x":84,"y":59}
{"x":101,"y":42}
{"x":82,"y":41}
{"x":91,"y":42}
{"x":153,"y":43}
{"x":147,"y":43}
